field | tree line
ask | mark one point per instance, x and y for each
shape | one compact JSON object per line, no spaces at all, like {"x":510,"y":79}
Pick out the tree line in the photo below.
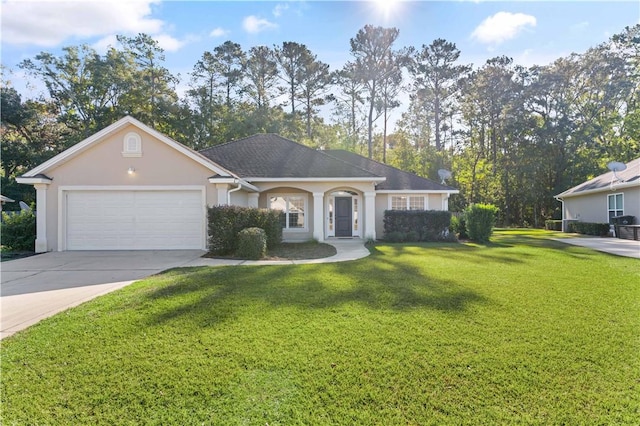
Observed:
{"x":513,"y":136}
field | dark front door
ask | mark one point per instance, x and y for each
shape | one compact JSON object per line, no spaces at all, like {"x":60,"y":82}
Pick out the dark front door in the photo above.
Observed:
{"x":343,"y":217}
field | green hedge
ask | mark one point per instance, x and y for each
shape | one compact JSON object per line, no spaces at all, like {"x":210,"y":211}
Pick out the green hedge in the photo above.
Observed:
{"x":226,"y":221}
{"x":480,"y":220}
{"x":416,"y":225}
{"x":252,"y":244}
{"x":18,"y":232}
{"x":588,"y":228}
{"x":459,"y":227}
{"x":553,"y":225}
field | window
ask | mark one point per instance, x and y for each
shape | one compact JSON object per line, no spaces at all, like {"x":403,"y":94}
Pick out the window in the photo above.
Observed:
{"x":398,"y":203}
{"x":132,"y":146}
{"x":408,"y":202}
{"x":616,"y":205}
{"x":293,"y":209}
{"x":416,"y":203}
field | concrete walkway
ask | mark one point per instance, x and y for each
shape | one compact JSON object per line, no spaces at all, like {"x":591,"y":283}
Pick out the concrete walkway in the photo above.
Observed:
{"x":347,"y":249}
{"x":617,"y":246}
{"x":37,"y":287}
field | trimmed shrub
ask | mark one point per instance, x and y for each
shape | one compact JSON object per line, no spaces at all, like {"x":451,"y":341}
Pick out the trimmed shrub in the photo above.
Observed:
{"x":588,"y":228}
{"x":252,"y":244}
{"x":416,"y":225}
{"x":18,"y":232}
{"x":553,"y":225}
{"x":459,"y":227}
{"x":226,"y":221}
{"x":480,"y":219}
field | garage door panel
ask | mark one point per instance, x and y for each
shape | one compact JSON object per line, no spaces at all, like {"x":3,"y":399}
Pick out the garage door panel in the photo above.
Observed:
{"x":134,"y":220}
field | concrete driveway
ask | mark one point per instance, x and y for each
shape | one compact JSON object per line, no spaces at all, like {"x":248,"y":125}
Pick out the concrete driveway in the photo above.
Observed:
{"x":39,"y":286}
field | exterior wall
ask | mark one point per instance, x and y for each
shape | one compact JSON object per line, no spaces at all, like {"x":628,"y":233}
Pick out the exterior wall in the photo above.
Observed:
{"x":383,"y":201}
{"x":594,"y":207}
{"x":103,"y":165}
{"x":382,"y":204}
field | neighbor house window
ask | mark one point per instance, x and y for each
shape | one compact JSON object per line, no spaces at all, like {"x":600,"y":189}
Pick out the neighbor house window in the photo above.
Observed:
{"x":132,"y":145}
{"x":616,"y":205}
{"x":407,"y":202}
{"x":293,"y":208}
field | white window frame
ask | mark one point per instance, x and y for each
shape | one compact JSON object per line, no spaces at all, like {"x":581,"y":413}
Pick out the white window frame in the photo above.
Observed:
{"x":615,"y":205}
{"x":136,"y":149}
{"x":305,"y":198}
{"x":425,"y":198}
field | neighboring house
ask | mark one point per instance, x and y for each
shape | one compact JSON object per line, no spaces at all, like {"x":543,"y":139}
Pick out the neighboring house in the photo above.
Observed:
{"x":131,"y":187}
{"x":3,"y":200}
{"x":603,"y":197}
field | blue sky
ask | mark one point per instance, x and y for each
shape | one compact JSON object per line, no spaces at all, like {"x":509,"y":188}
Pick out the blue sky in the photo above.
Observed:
{"x":531,"y":32}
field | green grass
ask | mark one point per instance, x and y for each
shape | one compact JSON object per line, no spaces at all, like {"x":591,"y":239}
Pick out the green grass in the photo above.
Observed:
{"x":520,"y":331}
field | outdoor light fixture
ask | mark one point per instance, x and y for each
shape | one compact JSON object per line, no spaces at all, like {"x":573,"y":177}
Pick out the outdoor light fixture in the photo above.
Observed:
{"x":131,"y":170}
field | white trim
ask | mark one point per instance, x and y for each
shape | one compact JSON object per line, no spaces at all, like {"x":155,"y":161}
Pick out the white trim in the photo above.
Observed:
{"x":417,"y":191}
{"x":305,"y":196}
{"x":33,"y":180}
{"x":318,"y":179}
{"x":614,"y":194}
{"x":96,"y":137}
{"x":235,"y":181}
{"x":126,"y":152}
{"x":62,"y":204}
{"x":41,"y":217}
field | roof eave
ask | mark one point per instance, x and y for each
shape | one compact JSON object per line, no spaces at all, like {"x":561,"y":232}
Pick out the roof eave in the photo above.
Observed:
{"x":416,"y":191}
{"x":608,"y":188}
{"x":315,"y":179}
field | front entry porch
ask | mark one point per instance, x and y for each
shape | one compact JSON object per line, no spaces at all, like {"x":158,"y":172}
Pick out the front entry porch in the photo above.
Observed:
{"x":342,"y":218}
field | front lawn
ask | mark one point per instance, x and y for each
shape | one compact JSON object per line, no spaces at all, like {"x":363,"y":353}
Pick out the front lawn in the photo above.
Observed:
{"x":521,"y":331}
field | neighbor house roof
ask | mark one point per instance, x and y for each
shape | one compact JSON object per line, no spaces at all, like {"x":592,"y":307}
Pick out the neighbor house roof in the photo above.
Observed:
{"x":272,"y":156}
{"x":396,"y":179}
{"x":626,"y":178}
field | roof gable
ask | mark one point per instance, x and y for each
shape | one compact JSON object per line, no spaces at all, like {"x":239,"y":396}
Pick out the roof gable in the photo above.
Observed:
{"x":628,"y":177}
{"x":272,"y":156}
{"x":84,"y":145}
{"x":396,"y":179}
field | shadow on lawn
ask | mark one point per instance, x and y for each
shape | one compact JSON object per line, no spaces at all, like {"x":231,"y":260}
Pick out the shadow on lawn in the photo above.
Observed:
{"x":382,"y":281}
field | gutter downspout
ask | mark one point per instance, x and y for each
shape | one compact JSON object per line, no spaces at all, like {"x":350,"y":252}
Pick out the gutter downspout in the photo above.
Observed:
{"x":233,"y":190}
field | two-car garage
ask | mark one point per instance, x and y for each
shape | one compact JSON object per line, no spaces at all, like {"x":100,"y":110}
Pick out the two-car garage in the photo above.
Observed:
{"x":144,"y":219}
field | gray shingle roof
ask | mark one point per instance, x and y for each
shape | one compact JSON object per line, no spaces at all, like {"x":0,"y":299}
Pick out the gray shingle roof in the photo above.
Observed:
{"x":630,"y":175}
{"x":272,"y":156}
{"x":396,"y":178}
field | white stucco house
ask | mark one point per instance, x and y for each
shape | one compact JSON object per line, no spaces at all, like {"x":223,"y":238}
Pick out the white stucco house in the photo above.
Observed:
{"x":603,"y":197}
{"x":130,"y":187}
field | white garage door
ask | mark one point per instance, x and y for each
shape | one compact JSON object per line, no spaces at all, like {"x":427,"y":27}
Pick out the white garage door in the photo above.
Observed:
{"x":134,"y":220}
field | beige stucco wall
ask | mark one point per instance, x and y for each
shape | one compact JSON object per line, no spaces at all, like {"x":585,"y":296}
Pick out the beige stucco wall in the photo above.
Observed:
{"x":103,"y":165}
{"x":594,"y":207}
{"x":383,"y":202}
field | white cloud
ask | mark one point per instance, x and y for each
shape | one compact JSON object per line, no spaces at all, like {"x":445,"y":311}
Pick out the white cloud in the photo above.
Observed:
{"x":169,"y":43}
{"x":280,"y":7}
{"x":218,"y":32}
{"x":502,"y":26}
{"x":101,"y":46}
{"x":49,"y":23}
{"x":253,"y":25}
